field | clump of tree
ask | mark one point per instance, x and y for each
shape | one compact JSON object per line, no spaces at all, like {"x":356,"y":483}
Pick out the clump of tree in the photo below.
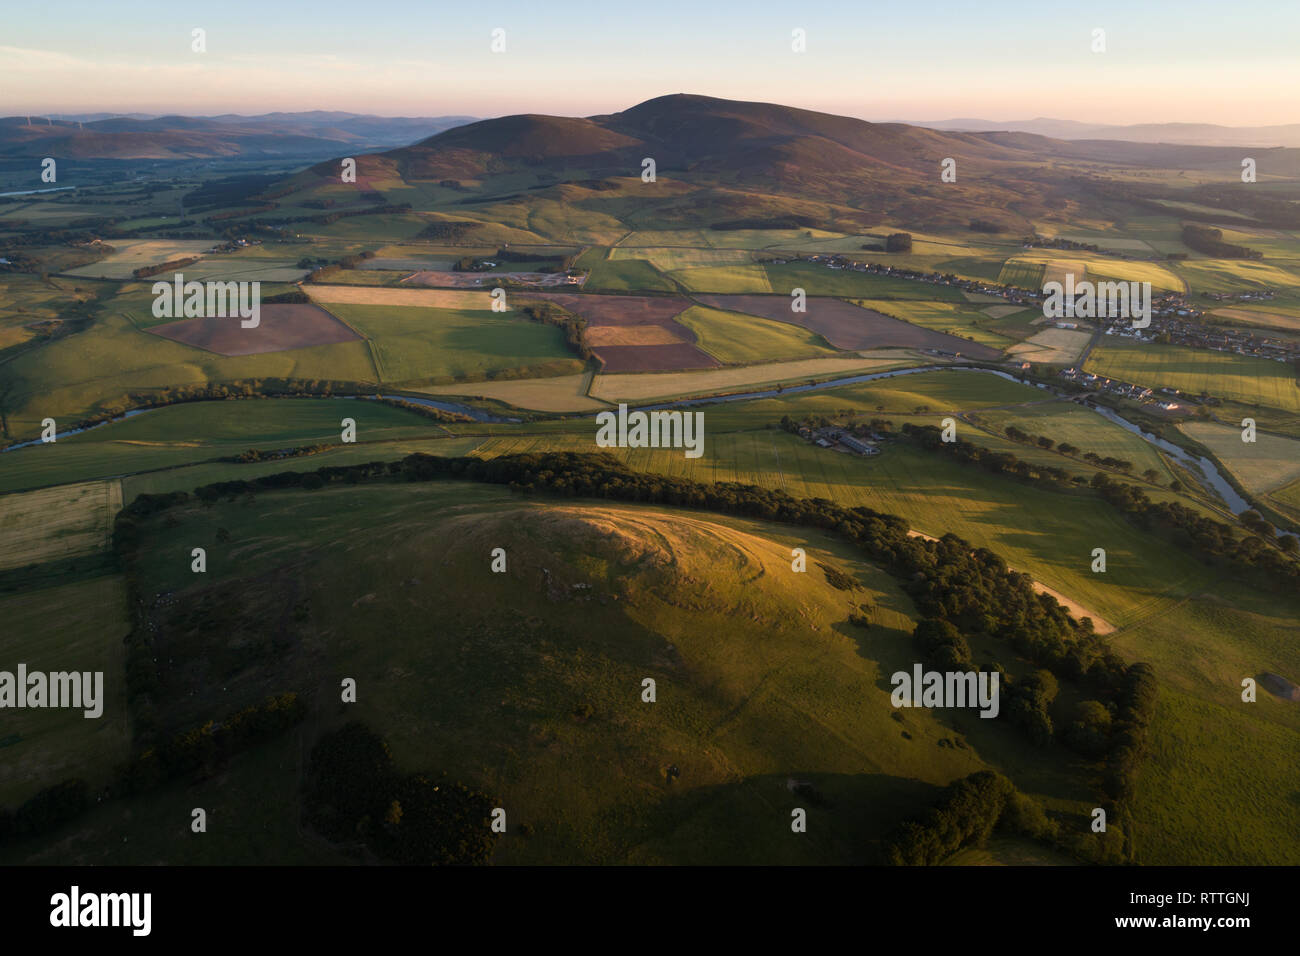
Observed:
{"x":931,"y":438}
{"x":169,"y":266}
{"x":354,"y":793}
{"x":298,"y":451}
{"x":514,"y":255}
{"x":943,"y":648}
{"x":294,"y":297}
{"x":352,"y":262}
{"x":1058,"y":242}
{"x":46,"y":811}
{"x":1027,"y":703}
{"x":427,"y":411}
{"x":965,"y":815}
{"x":1089,"y":732}
{"x":898,"y":242}
{"x":839,"y":579}
{"x":1210,"y":241}
{"x":232,"y":191}
{"x":573,"y":326}
{"x":451,"y":229}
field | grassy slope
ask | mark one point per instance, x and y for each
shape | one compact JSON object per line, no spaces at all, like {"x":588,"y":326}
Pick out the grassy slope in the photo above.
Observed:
{"x":74,"y":626}
{"x":759,"y":676}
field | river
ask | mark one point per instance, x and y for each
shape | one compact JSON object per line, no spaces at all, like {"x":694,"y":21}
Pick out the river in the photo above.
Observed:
{"x":33,"y":192}
{"x":1202,"y":467}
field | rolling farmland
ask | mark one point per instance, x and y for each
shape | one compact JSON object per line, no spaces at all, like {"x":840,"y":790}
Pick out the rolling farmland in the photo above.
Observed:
{"x":1239,"y":378}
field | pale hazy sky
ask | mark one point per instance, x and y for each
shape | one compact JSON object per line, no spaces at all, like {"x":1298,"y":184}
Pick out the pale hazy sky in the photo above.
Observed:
{"x":1235,"y":62}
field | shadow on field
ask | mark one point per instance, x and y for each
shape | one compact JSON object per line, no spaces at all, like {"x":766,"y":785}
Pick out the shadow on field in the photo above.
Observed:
{"x":1051,"y":772}
{"x":749,"y":822}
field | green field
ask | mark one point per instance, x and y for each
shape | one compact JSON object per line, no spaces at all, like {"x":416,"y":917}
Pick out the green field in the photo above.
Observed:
{"x":724,"y":279}
{"x":189,"y":477}
{"x":1086,"y":430}
{"x":1236,"y":275}
{"x":816,"y":279}
{"x":434,"y":346}
{"x":131,"y":254}
{"x":678,"y":257}
{"x":1022,"y":273}
{"x":26,"y":300}
{"x":57,"y":523}
{"x":734,"y":338}
{"x":73,"y":626}
{"x":1204,"y":737}
{"x":1266,"y":464}
{"x":1225,"y":375}
{"x":1288,"y":497}
{"x":199,"y":431}
{"x":621,"y":275}
{"x":95,"y":370}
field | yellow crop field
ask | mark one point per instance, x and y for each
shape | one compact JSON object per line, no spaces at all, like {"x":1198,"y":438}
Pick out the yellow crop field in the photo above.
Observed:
{"x":562,"y":393}
{"x":647,"y":385}
{"x":131,"y":254}
{"x":466,"y":299}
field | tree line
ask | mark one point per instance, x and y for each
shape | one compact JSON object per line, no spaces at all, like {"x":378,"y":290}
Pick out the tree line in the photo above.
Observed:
{"x":1211,"y":541}
{"x":1210,"y":241}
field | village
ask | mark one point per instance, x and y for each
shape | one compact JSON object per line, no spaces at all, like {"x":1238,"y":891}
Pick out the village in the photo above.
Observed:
{"x":1176,"y":323}
{"x":1136,"y":393}
{"x":1174,"y":320}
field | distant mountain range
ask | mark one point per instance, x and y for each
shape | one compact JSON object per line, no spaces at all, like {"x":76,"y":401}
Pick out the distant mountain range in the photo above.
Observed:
{"x":321,"y":133}
{"x":764,"y":161}
{"x":270,"y":135}
{"x":1189,"y":134}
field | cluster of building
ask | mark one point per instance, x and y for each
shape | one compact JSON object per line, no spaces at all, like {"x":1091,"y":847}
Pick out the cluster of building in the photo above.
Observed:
{"x":1257,"y":295}
{"x":833,"y":436}
{"x":1137,"y":393}
{"x":1174,"y":322}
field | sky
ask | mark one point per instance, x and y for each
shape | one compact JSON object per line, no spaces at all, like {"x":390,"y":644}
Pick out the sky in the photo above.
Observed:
{"x":1235,"y":63}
